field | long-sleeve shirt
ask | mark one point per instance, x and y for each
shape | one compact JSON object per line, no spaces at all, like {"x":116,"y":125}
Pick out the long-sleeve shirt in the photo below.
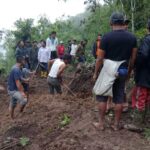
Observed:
{"x":51,"y":44}
{"x":43,"y":55}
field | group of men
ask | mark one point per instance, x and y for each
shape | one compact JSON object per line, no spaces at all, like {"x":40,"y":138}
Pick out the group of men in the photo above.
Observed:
{"x":116,"y":56}
{"x":47,"y":55}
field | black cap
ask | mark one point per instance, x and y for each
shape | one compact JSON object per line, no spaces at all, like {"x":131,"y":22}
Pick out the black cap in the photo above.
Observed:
{"x":117,"y":18}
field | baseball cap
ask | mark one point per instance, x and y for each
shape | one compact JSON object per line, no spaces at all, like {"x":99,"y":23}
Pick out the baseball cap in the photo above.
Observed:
{"x":117,"y":18}
{"x":61,"y":42}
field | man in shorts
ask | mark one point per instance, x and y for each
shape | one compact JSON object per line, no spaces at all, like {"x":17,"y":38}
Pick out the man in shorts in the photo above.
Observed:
{"x":15,"y":88}
{"x":117,"y":45}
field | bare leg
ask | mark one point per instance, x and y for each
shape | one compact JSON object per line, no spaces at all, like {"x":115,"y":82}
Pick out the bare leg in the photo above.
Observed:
{"x":102,"y":110}
{"x":22,"y":108}
{"x":109,"y":104}
{"x":118,"y":112}
{"x":11,"y":110}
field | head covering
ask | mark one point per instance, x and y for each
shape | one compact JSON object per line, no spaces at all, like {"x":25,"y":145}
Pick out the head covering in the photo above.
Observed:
{"x":117,"y":18}
{"x":61,"y":42}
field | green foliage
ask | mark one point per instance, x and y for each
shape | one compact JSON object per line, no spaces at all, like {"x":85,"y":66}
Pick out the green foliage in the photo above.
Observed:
{"x":141,"y":33}
{"x":87,"y":25}
{"x":65,"y":120}
{"x":147,"y":133}
{"x":24,"y":28}
{"x":24,"y":141}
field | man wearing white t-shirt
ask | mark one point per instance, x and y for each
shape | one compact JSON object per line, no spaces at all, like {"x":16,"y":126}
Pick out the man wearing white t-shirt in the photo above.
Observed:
{"x":74,"y":48}
{"x":55,"y":75}
{"x":51,"y":44}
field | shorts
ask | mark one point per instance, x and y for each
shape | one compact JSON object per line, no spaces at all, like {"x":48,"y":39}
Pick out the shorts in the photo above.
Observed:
{"x":16,"y":97}
{"x":118,"y":92}
{"x":54,"y":85}
{"x":53,"y":54}
{"x":140,"y":97}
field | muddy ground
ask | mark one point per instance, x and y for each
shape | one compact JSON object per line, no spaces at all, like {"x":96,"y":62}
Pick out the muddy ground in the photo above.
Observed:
{"x":41,"y":123}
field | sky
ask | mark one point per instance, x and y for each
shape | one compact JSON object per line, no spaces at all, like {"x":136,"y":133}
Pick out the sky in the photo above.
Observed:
{"x":12,"y":10}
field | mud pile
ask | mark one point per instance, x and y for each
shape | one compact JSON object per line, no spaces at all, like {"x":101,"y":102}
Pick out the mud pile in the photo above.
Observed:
{"x":83,"y":81}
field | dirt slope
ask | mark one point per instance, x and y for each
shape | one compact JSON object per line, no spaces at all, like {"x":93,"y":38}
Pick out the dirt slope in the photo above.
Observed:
{"x":41,"y":120}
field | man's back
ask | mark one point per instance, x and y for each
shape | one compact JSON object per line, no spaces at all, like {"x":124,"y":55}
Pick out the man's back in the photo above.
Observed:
{"x":15,"y":74}
{"x":118,"y":45}
{"x":142,"y":75}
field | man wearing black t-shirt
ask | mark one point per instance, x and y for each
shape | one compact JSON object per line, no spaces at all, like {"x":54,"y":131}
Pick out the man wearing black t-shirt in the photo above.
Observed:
{"x":117,"y":45}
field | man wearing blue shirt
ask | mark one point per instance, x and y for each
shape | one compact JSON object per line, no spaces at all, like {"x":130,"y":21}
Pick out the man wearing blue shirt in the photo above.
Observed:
{"x":15,"y":88}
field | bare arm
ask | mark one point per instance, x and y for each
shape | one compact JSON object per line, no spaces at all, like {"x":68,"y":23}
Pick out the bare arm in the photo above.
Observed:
{"x":61,"y":70}
{"x":50,"y":64}
{"x":20,"y":87}
{"x":99,"y":63}
{"x":132,"y":61}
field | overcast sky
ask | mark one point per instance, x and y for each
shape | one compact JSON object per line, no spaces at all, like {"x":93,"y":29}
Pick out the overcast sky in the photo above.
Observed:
{"x":11,"y":10}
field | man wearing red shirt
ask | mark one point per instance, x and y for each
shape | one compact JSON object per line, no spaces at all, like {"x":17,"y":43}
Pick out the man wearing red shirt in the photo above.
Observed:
{"x":60,"y":49}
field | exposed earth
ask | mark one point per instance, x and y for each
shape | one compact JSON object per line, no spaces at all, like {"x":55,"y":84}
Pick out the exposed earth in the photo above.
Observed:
{"x":41,"y":123}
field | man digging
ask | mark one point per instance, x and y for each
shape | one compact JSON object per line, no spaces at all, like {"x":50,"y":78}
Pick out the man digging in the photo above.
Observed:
{"x":55,"y":75}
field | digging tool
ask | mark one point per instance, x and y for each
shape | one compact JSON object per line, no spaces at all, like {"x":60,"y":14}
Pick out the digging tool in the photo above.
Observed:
{"x":39,"y":65}
{"x":69,"y":90}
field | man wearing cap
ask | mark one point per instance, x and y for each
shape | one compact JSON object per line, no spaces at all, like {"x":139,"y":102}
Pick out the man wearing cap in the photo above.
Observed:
{"x":15,"y":88}
{"x":117,"y":47}
{"x":60,"y":49}
{"x":141,"y":94}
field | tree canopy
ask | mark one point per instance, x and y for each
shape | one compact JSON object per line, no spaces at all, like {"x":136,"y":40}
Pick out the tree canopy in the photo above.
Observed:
{"x":87,"y":25}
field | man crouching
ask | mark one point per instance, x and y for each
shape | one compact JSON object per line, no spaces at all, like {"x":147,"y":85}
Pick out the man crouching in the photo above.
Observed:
{"x":55,"y":75}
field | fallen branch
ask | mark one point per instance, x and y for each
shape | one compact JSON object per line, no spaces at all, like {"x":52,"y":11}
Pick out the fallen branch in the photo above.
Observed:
{"x":69,"y":90}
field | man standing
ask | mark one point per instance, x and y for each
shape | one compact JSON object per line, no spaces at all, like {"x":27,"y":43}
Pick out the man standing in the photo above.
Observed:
{"x":96,"y":46}
{"x":55,"y":74}
{"x":60,"y":49}
{"x":34,"y":55}
{"x":15,"y":88}
{"x":141,"y":94}
{"x":51,"y":44}
{"x":43,"y":58}
{"x":119,"y":47}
